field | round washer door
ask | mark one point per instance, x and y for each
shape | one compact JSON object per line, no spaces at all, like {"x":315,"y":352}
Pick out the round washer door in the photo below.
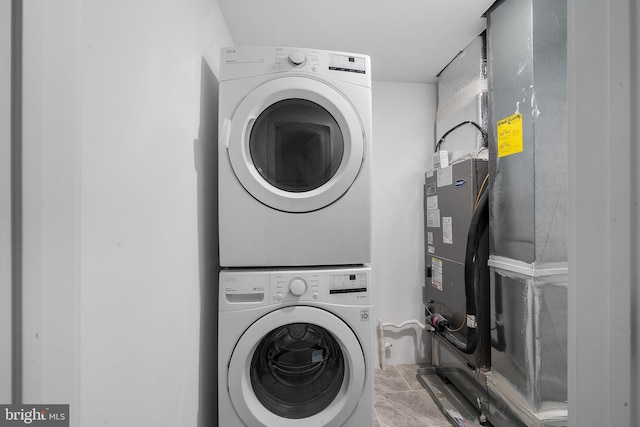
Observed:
{"x":296,"y":364}
{"x":296,"y":144}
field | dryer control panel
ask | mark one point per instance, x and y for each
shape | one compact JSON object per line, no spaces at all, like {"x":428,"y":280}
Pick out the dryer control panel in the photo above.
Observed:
{"x":244,"y":62}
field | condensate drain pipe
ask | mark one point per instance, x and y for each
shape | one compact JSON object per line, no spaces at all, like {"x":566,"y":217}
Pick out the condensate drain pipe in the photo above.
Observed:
{"x":383,"y":346}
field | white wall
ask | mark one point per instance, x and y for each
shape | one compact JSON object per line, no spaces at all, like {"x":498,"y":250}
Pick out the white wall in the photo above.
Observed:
{"x":5,"y":201}
{"x":403,"y":121}
{"x":50,"y":207}
{"x":604,"y":231}
{"x":140,"y":301}
{"x":111,"y":114}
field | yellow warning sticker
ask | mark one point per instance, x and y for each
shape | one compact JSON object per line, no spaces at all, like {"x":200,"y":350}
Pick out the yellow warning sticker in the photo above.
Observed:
{"x":510,"y":135}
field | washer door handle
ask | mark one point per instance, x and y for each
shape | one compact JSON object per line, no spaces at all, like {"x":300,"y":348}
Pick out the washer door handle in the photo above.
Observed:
{"x":225,"y":133}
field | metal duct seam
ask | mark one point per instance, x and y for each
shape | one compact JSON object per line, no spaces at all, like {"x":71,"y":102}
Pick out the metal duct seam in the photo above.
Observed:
{"x":529,"y":269}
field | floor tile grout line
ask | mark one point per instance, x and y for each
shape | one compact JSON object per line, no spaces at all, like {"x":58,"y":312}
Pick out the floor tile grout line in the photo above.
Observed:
{"x":396,"y":374}
{"x":384,"y":396}
{"x":377,"y":417}
{"x":405,"y":380}
{"x":417,"y":366}
{"x":410,"y":412}
{"x":402,"y":391}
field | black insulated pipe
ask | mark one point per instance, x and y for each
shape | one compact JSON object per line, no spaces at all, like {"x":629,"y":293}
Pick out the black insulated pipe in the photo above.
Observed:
{"x":485,"y":137}
{"x":467,"y":347}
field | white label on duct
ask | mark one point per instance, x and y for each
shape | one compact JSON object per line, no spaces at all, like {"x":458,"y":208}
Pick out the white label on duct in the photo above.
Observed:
{"x":447,"y":230}
{"x":432,"y":203}
{"x":436,"y":273}
{"x":433,"y":218}
{"x":431,"y":249}
{"x":430,"y":237}
{"x":445,"y":176}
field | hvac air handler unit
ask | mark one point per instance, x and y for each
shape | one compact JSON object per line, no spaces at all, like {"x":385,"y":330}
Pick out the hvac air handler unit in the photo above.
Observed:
{"x":497,"y":299}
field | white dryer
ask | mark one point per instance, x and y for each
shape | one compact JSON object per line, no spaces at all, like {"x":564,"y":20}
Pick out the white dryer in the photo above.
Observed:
{"x":295,"y":347}
{"x":294,"y":157}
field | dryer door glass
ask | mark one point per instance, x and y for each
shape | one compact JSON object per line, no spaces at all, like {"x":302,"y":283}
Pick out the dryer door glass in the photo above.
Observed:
{"x":297,"y":370}
{"x":296,"y":145}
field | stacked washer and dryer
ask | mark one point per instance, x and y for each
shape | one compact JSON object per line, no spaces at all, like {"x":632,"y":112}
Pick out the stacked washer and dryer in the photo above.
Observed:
{"x":296,"y":334}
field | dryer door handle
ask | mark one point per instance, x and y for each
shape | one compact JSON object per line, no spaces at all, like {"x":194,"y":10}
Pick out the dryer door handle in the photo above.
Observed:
{"x":250,"y":121}
{"x":225,"y":134}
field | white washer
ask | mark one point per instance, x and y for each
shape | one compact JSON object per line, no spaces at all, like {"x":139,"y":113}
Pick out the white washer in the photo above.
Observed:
{"x":295,"y":348}
{"x":294,"y":158}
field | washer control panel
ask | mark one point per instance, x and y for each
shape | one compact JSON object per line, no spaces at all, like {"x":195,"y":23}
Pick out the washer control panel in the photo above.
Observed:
{"x":348,"y":286}
{"x":241,"y":289}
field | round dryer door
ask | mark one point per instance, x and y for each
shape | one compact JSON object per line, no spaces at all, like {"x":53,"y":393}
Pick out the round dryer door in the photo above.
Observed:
{"x":296,"y":144}
{"x":296,"y":364}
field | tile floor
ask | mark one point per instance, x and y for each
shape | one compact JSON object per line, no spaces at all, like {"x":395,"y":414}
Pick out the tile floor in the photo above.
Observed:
{"x":401,"y":401}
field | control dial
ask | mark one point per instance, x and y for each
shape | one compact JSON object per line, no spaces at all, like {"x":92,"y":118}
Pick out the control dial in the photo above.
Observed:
{"x":297,"y":58}
{"x":297,"y":287}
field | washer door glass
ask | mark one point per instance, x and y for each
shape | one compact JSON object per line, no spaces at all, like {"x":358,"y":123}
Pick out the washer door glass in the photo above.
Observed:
{"x":296,"y":145}
{"x":296,"y":364}
{"x":297,"y":370}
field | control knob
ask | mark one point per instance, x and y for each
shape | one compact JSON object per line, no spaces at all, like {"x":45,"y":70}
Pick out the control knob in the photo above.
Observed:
{"x":297,"y":287}
{"x":297,"y":58}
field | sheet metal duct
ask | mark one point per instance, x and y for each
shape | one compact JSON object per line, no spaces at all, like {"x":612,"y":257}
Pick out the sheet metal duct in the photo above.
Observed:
{"x":526,"y":46}
{"x":527,"y":75}
{"x":462,"y":97}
